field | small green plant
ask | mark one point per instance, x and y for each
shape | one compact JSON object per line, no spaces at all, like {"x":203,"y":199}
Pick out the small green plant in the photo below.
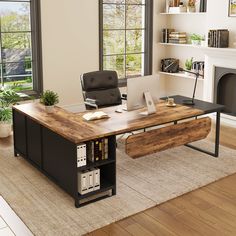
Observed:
{"x":189,"y":63}
{"x":196,"y":37}
{"x":8,"y":97}
{"x":49,"y":98}
{"x":5,"y":114}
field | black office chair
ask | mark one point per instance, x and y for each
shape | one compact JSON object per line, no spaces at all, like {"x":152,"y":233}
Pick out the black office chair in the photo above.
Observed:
{"x":100,"y":89}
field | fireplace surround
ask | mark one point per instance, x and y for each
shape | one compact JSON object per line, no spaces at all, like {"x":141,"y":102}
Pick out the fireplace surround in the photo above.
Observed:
{"x":225,"y":89}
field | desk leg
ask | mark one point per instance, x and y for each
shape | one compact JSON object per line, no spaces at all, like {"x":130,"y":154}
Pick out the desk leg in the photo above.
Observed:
{"x":217,"y":139}
{"x":217,"y":134}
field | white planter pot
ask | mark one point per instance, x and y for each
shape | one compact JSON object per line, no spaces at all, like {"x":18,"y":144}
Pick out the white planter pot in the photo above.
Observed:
{"x":49,"y":109}
{"x":196,"y":42}
{"x":5,"y":129}
{"x":203,"y":43}
{"x":191,"y":9}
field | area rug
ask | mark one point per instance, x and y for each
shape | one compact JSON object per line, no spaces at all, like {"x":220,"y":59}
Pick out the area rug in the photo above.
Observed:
{"x":142,"y":183}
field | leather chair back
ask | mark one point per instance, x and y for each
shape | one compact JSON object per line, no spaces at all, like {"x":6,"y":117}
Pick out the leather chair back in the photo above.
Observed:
{"x":101,"y":86}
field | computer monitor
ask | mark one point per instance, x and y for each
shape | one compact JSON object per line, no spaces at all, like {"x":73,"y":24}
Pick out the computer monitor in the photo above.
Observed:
{"x":141,"y":92}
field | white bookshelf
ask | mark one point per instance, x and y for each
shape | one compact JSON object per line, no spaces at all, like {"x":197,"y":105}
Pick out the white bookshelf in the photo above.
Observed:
{"x":182,"y":45}
{"x":180,"y":75}
{"x":204,"y":48}
{"x":183,"y":13}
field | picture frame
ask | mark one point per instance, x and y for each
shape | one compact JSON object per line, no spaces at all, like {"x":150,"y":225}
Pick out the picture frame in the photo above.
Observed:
{"x":232,"y":8}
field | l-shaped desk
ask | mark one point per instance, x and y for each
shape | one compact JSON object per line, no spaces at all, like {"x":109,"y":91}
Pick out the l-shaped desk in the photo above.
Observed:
{"x":49,"y":141}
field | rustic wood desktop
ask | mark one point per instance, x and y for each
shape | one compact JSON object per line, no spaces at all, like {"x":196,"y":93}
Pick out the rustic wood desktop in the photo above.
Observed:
{"x":49,"y":141}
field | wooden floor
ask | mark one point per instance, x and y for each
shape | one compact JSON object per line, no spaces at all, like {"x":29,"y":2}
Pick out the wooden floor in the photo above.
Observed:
{"x":209,"y":211}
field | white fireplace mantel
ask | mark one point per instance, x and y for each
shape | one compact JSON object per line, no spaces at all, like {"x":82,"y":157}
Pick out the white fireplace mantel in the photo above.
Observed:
{"x":217,"y":57}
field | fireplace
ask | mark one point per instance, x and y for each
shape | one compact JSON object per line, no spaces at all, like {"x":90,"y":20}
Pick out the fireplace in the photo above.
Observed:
{"x":225,"y":89}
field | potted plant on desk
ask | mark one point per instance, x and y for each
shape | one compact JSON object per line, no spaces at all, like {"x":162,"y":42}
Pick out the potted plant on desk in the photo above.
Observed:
{"x":49,"y":99}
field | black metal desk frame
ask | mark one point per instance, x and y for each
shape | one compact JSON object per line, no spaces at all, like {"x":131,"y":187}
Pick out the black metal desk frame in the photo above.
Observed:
{"x":207,"y":108}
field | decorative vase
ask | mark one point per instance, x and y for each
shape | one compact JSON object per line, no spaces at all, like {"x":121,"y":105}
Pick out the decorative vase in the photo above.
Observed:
{"x":5,"y":129}
{"x":50,"y":109}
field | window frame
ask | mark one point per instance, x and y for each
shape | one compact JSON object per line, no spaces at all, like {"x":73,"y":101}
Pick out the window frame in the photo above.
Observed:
{"x":36,"y":47}
{"x":148,"y":47}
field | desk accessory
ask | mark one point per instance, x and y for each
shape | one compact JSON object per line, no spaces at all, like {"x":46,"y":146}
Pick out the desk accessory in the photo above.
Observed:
{"x":191,"y":101}
{"x":170,"y":102}
{"x":151,"y":108}
{"x":95,"y":115}
{"x":119,"y":110}
{"x":170,"y":65}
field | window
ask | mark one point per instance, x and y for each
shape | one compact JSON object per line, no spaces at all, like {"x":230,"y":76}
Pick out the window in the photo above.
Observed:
{"x":126,"y":37}
{"x":20,"y":45}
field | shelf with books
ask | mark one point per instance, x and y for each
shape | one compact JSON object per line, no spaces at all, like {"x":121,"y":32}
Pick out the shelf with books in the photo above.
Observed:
{"x":182,"y":45}
{"x":204,"y":48}
{"x":98,"y":175}
{"x":96,"y":164}
{"x":183,"y":13}
{"x":180,"y":75}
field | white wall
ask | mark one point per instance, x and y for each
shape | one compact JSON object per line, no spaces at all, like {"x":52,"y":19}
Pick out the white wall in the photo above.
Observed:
{"x":70,"y":45}
{"x":217,"y":17}
{"x":70,"y":38}
{"x":158,"y":52}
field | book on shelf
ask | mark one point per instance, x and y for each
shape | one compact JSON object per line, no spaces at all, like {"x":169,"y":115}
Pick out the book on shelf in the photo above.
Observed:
{"x":165,"y":35}
{"x":178,"y":37}
{"x":178,"y":41}
{"x":173,"y":36}
{"x":97,"y":150}
{"x":218,"y":38}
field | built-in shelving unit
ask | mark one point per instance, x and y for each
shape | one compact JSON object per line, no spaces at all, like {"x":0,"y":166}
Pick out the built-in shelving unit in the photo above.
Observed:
{"x":233,"y":50}
{"x":183,"y":13}
{"x":180,"y":75}
{"x":173,"y":20}
{"x":182,"y":45}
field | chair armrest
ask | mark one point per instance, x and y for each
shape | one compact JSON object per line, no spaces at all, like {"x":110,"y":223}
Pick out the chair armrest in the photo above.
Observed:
{"x":124,"y":96}
{"x":91,"y":103}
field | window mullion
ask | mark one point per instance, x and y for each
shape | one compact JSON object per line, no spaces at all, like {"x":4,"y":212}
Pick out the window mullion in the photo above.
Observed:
{"x":1,"y":54}
{"x":125,"y":60}
{"x":134,"y":67}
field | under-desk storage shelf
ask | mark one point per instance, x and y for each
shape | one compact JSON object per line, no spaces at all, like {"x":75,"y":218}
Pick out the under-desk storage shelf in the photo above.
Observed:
{"x":95,"y":164}
{"x":105,"y":187}
{"x":99,"y":174}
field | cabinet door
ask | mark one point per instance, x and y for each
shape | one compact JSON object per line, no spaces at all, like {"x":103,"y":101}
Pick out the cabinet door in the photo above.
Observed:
{"x":60,"y":160}
{"x":34,"y":142}
{"x":19,"y":126}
